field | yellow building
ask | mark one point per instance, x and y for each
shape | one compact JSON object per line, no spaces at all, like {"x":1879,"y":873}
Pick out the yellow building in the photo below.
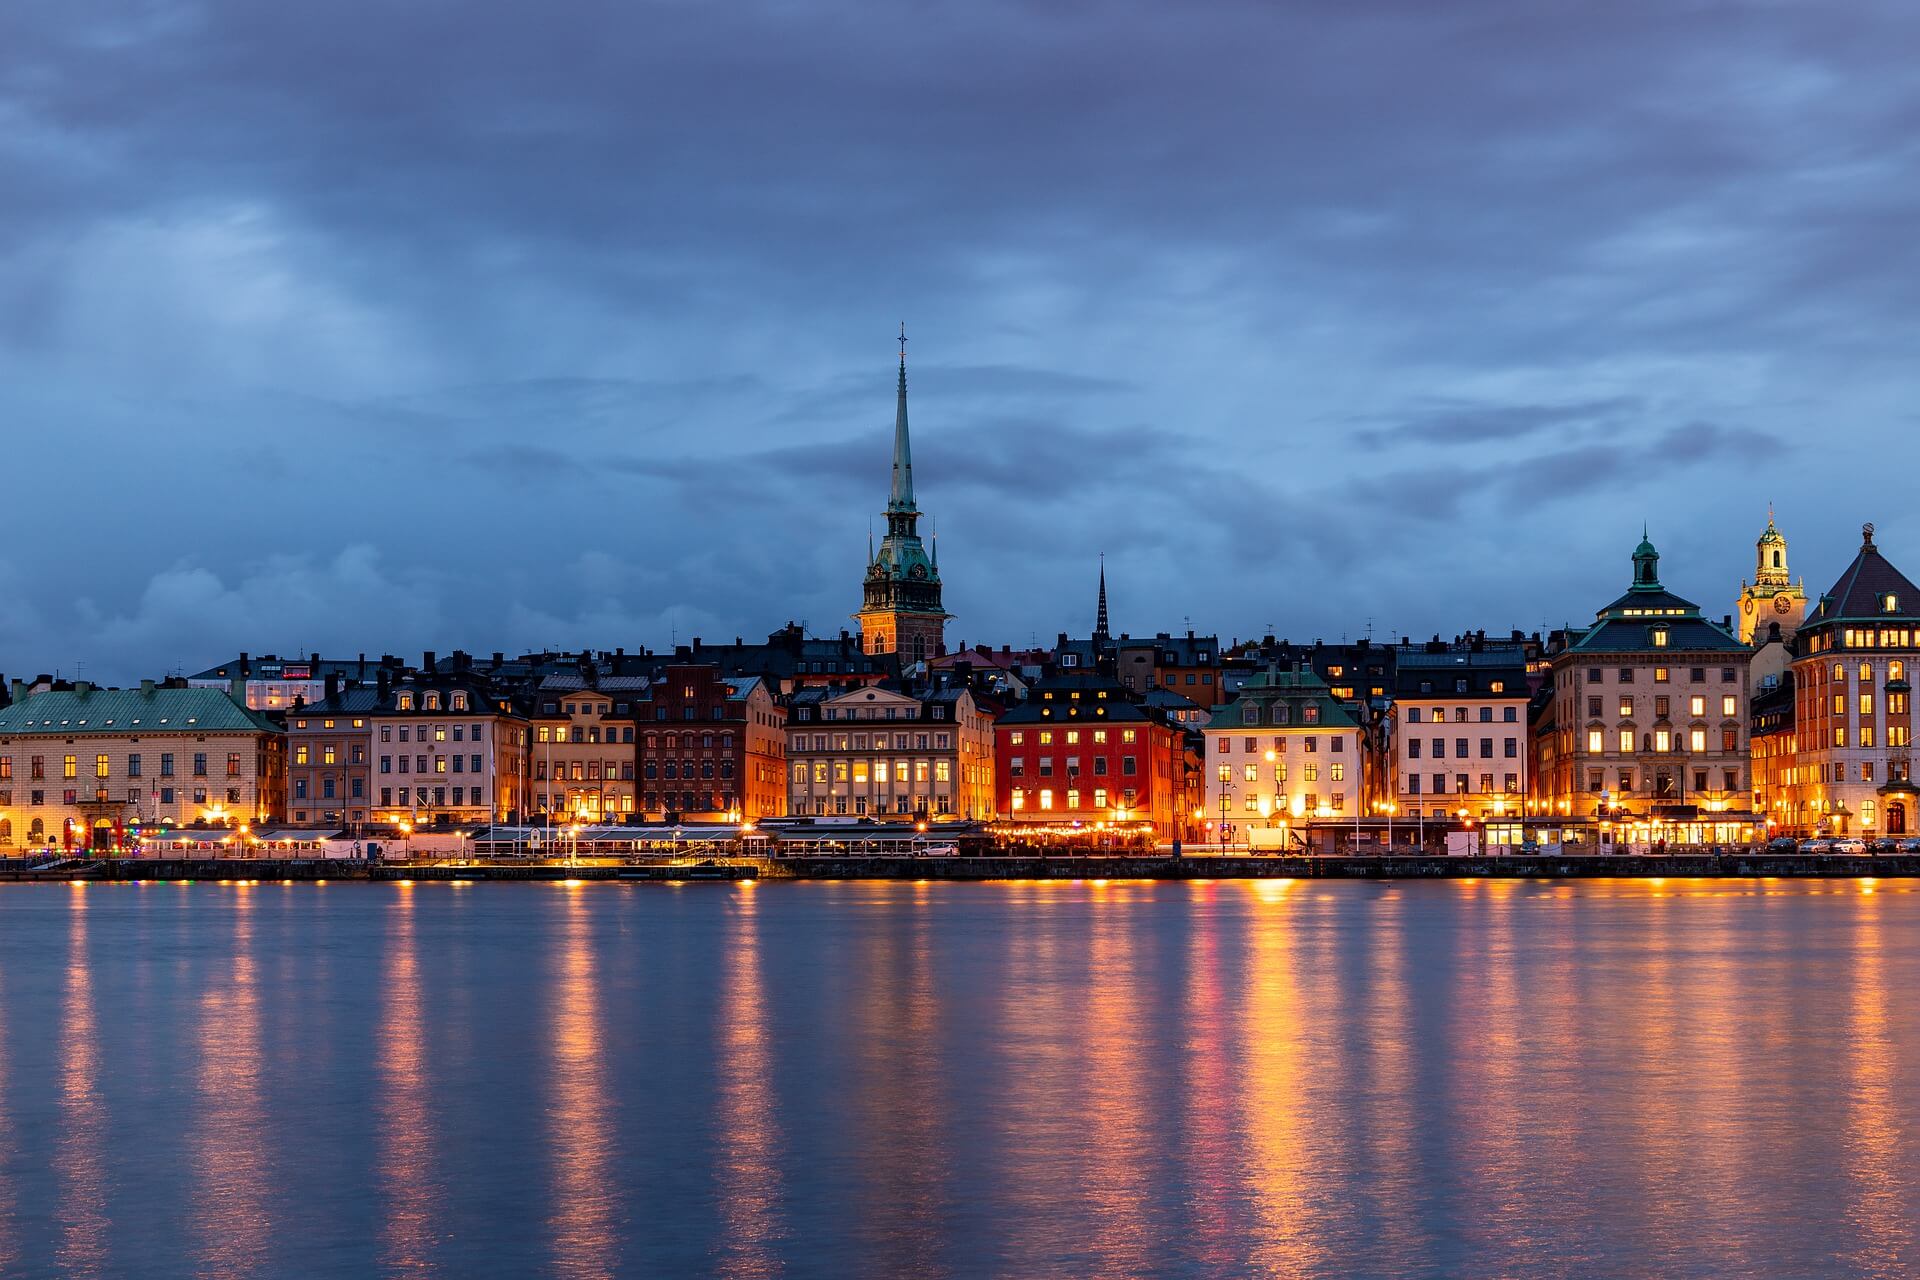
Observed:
{"x":91,"y":767}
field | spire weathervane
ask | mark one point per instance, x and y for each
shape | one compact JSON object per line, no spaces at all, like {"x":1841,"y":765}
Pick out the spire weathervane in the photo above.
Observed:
{"x":903,"y":342}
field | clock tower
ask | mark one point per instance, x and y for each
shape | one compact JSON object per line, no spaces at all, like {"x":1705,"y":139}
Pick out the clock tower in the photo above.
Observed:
{"x":900,"y":611}
{"x":1772,"y":596}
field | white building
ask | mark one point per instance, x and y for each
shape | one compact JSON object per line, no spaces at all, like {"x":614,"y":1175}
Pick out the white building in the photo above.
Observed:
{"x":1284,"y":753}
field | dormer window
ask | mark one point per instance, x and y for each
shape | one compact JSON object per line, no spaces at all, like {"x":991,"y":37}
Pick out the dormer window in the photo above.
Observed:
{"x":431,"y":702}
{"x":1249,"y":714}
{"x":1660,"y":637}
{"x":1889,"y":603}
{"x":459,"y":702}
{"x":406,"y":702}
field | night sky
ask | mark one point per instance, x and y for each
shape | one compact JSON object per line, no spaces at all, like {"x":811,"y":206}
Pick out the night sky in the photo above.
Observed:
{"x":397,"y":326}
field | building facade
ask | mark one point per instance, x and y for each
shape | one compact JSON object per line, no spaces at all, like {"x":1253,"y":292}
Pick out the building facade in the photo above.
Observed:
{"x":1285,"y":753}
{"x":1459,"y":735}
{"x":712,"y":747}
{"x":1849,"y":771}
{"x":584,"y":757}
{"x":447,"y":751}
{"x":1080,"y":752}
{"x":1651,"y":713}
{"x":876,"y":752}
{"x":330,"y":757}
{"x":900,"y":612}
{"x":86,"y":767}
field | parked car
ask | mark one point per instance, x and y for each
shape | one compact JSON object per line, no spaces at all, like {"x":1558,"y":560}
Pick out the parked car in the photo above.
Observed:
{"x":1909,"y":845}
{"x":1816,"y":846}
{"x":1850,"y":845}
{"x":1783,"y":844}
{"x":1885,"y":844}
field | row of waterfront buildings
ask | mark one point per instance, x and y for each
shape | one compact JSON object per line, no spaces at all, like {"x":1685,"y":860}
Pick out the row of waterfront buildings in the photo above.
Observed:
{"x":1791,"y":715}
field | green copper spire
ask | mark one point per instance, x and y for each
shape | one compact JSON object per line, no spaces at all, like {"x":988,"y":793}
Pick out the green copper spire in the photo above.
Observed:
{"x":1646,"y":564}
{"x":902,"y":497}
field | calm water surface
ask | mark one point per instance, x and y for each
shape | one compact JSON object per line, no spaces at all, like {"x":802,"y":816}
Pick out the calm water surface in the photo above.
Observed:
{"x":876,"y":1079}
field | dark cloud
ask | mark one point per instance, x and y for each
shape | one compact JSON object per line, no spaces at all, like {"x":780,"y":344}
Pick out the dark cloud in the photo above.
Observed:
{"x":578,"y":320}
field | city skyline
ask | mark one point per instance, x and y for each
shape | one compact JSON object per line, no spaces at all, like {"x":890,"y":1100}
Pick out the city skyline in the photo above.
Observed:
{"x":313,"y":341}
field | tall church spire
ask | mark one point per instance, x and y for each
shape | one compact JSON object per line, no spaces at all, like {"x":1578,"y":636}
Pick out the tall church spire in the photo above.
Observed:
{"x":902,"y":496}
{"x":1100,"y":631}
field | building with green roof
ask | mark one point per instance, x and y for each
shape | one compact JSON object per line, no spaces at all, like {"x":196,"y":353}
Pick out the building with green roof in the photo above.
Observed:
{"x":83,"y":766}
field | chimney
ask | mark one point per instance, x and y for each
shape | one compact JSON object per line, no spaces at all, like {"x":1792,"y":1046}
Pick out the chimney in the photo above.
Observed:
{"x":382,"y":681}
{"x":83,"y":687}
{"x":427,"y":664}
{"x":237,"y":689}
{"x":246,"y":663}
{"x":146,"y":688}
{"x":332,"y":685}
{"x":499,"y":659}
{"x":19,"y":688}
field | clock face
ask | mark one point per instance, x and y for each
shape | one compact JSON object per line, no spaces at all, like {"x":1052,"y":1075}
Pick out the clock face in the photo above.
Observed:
{"x":1746,"y":606}
{"x":1781,"y":604}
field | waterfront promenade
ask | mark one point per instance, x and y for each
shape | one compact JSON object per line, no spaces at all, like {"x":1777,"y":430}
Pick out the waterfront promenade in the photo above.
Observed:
{"x":1001,"y":866}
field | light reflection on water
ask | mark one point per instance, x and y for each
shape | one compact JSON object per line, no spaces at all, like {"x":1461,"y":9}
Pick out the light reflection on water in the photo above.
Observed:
{"x":1125,"y":1078}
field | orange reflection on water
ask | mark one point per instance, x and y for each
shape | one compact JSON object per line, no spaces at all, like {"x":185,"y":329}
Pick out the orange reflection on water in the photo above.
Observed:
{"x":230,"y":1209}
{"x":749,"y":1158}
{"x":1878,"y":1167}
{"x":9,"y":1241}
{"x":585,"y":1239}
{"x":404,"y":1165}
{"x":1208,"y":1070}
{"x":80,"y":1157}
{"x":1275,"y":1088}
{"x":899,"y":1095}
{"x":1122,"y":1130}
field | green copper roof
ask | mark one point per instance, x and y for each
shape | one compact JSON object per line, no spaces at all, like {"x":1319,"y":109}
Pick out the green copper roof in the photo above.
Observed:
{"x":156,"y":710}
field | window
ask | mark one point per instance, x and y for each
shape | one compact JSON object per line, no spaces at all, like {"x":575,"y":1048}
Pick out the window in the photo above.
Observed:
{"x":1696,"y":705}
{"x":1626,"y":675}
{"x":1697,"y":740}
{"x":1660,"y":641}
{"x":1595,"y":741}
{"x":1626,"y":740}
{"x":1661,"y":675}
{"x":1626,"y":706}
{"x":1728,"y":705}
{"x":100,"y":764}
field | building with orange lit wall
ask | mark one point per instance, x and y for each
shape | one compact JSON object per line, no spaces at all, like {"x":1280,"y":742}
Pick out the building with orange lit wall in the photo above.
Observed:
{"x":90,"y":767}
{"x":1081,"y":750}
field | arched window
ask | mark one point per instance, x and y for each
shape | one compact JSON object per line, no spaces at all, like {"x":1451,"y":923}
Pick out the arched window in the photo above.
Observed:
{"x":1896,"y":670}
{"x":1776,"y":559}
{"x":1840,"y":673}
{"x":36,"y":831}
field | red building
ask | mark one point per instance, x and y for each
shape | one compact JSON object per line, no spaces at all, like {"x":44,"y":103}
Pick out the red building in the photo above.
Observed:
{"x":1081,"y":752}
{"x":711,"y":747}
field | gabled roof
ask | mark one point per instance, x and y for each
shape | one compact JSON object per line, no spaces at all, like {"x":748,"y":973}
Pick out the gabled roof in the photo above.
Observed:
{"x":1296,"y":689}
{"x":86,"y":710}
{"x":1862,"y":591}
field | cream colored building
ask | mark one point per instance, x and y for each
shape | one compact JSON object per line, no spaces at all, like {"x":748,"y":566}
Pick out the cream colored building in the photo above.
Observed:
{"x":91,"y":767}
{"x":584,"y":755}
{"x":880,"y":752}
{"x":1460,"y":744}
{"x":1283,"y":753}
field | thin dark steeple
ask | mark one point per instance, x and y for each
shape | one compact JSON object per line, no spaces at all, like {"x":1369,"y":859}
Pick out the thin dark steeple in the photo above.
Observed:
{"x":1100,"y":632}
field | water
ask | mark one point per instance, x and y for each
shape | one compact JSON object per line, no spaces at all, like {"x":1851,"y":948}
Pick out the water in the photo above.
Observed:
{"x":1597,"y":1078}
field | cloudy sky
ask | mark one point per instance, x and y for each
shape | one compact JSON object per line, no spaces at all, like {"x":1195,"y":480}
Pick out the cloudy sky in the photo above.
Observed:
{"x":368,"y":326}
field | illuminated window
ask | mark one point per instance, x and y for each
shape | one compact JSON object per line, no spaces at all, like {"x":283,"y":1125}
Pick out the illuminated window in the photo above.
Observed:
{"x":1626,"y":740}
{"x":1659,"y":642}
{"x":1697,"y":705}
{"x":1662,"y":740}
{"x":1697,"y":740}
{"x":1126,"y":735}
{"x":1661,"y":675}
{"x":1596,"y":741}
{"x":1728,"y":705}
{"x":1046,"y":797}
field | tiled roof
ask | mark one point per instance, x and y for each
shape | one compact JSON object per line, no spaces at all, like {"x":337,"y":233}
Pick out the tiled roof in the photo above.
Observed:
{"x":155,"y":710}
{"x":1863,"y":588}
